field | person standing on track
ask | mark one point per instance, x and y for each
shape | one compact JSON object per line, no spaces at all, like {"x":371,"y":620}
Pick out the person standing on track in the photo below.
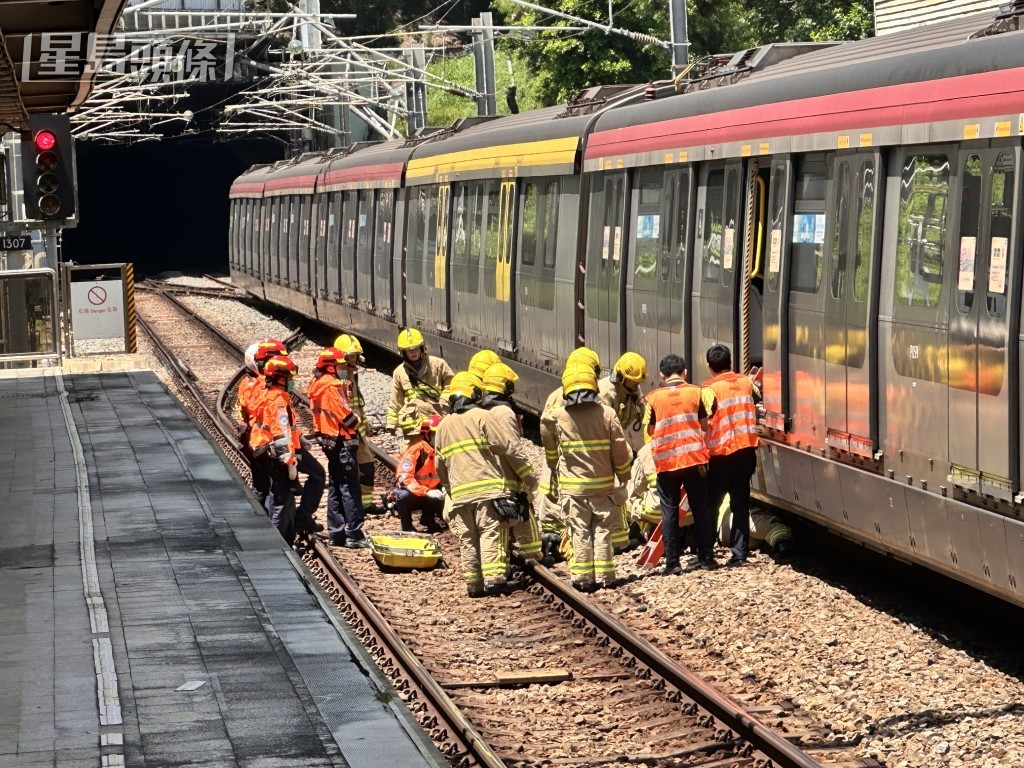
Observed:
{"x":275,"y":436}
{"x":587,"y":450}
{"x":417,"y":486}
{"x":251,"y":390}
{"x":677,"y":418}
{"x":336,"y":427}
{"x":364,"y":457}
{"x":418,"y":384}
{"x":499,"y":384}
{"x":469,"y":462}
{"x":620,"y":391}
{"x":732,"y":442}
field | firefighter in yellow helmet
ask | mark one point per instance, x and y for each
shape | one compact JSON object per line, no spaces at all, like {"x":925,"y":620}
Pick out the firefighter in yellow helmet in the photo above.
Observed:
{"x":353,"y":350}
{"x":590,"y":460}
{"x":418,"y":384}
{"x":498,"y":384}
{"x":621,"y":392}
{"x":480,"y":362}
{"x":473,"y":461}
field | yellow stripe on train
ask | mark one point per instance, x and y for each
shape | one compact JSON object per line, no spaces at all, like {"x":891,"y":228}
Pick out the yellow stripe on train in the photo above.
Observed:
{"x":548,"y":152}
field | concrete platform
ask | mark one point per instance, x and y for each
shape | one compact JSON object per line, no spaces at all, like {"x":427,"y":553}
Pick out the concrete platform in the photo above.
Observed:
{"x":149,"y":613}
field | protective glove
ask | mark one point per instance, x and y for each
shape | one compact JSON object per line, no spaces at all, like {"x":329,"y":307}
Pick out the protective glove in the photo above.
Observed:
{"x":435,"y":493}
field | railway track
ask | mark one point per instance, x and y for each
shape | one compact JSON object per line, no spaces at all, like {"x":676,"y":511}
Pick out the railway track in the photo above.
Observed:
{"x":547,"y":678}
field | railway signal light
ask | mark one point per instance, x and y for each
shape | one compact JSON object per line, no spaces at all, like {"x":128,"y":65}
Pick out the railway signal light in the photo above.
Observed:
{"x":48,"y":169}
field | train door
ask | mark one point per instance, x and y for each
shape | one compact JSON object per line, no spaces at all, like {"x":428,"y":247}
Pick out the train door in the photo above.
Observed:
{"x":603,"y":280}
{"x":750,"y":276}
{"x":775,"y":332}
{"x":383,"y":240}
{"x":982,"y":447}
{"x":319,"y":277}
{"x":504,"y":269}
{"x":364,"y":249}
{"x":719,"y":233}
{"x":850,"y":420}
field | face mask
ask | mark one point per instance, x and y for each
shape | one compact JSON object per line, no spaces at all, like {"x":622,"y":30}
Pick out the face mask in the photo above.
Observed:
{"x":291,"y":385}
{"x":342,"y":374}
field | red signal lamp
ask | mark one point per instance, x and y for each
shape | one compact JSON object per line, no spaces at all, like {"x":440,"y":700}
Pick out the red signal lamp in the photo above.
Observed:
{"x":45,"y":141}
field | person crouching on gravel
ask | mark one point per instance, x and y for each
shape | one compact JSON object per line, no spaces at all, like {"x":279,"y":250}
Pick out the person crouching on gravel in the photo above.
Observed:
{"x":417,"y":486}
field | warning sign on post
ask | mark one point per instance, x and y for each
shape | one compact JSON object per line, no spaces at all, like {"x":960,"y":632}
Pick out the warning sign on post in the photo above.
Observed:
{"x":97,"y":310}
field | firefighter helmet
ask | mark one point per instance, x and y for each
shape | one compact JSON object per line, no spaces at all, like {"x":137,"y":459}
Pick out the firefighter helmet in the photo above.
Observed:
{"x":348,"y":344}
{"x":630,"y":367}
{"x":268,"y":348}
{"x":578,"y":377}
{"x":250,"y":357}
{"x":500,"y":379}
{"x":330,"y":356}
{"x":480,"y":362}
{"x":280,"y":365}
{"x":463,"y":385}
{"x":410,"y":338}
{"x":585,"y":356}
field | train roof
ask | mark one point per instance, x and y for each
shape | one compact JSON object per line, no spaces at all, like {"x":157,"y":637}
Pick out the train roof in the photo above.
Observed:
{"x":538,"y":142}
{"x":871,"y":82}
{"x":377,"y":164}
{"x":251,"y":183}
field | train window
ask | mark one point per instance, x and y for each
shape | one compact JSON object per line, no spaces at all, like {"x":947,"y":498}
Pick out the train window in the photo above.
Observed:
{"x":970,"y":228}
{"x":808,"y":238}
{"x":492,"y":241}
{"x":531,"y":214}
{"x":841,"y":229}
{"x":549,"y":235}
{"x":921,"y":245}
{"x":466,"y":238}
{"x":865,"y":217}
{"x":476,"y":234}
{"x":682,"y":221}
{"x":777,"y":210}
{"x":364,"y":226}
{"x":419,"y":220}
{"x":1000,"y":217}
{"x":713,"y":226}
{"x":383,"y":225}
{"x":670,"y":215}
{"x":647,"y":228}
{"x":729,"y":229}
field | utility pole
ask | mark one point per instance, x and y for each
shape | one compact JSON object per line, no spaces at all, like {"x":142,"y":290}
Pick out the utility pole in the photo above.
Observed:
{"x":415,"y":90}
{"x":487,"y":22}
{"x":680,"y":41}
{"x":478,"y":66}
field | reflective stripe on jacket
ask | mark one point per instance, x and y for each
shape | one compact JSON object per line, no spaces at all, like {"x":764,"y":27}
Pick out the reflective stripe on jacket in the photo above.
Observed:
{"x":678,"y":439}
{"x":274,"y":420}
{"x":332,"y":416}
{"x":417,"y":469}
{"x":586,"y":448}
{"x":734,"y":425}
{"x":470,"y":449}
{"x":415,"y":395}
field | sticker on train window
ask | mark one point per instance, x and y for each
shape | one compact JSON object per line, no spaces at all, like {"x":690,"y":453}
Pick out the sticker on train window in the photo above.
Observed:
{"x":997,"y":265}
{"x":616,"y":254}
{"x":330,"y":220}
{"x":965,"y":278}
{"x":728,"y":247}
{"x":648,"y":227}
{"x":809,"y":228}
{"x":607,"y":243}
{"x":775,"y":254}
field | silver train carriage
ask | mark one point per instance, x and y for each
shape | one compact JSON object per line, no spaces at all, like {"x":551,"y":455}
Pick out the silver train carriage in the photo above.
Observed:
{"x":847,"y":216}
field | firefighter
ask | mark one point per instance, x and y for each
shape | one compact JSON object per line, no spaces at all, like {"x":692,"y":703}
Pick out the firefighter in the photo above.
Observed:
{"x":469,"y":462}
{"x":417,"y":485}
{"x":337,"y":427}
{"x":677,"y":418}
{"x":732,"y":443}
{"x":620,"y":391}
{"x":418,"y":384}
{"x":585,"y":446}
{"x":364,"y":457}
{"x":644,"y":504}
{"x":251,"y":391}
{"x":765,"y":528}
{"x":274,"y":435}
{"x":499,"y":384}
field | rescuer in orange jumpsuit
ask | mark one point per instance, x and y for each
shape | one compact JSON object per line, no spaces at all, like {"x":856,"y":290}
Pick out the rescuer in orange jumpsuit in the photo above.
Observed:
{"x":417,"y":485}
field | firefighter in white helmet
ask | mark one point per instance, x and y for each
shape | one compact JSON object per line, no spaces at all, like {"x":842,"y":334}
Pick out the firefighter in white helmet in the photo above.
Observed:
{"x":418,"y":384}
{"x":473,"y":461}
{"x":590,"y":460}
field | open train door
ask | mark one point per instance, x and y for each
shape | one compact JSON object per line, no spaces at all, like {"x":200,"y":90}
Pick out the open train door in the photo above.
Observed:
{"x":982,"y":380}
{"x":750,"y":278}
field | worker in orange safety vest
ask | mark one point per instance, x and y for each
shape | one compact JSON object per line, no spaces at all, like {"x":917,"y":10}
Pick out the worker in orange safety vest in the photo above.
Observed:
{"x":732,"y":443}
{"x":251,"y":389}
{"x":417,"y":485}
{"x":337,"y":431}
{"x":677,"y":418}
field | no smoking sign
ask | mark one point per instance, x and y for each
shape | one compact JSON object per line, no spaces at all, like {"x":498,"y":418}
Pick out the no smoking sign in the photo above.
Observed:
{"x":97,"y":296}
{"x":98,"y":309}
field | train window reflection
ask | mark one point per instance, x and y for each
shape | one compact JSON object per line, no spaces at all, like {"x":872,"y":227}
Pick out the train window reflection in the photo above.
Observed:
{"x":713,"y":226}
{"x":970,"y":227}
{"x":921,"y":245}
{"x":549,"y":230}
{"x":865,"y":218}
{"x":529,"y":232}
{"x":1000,"y":219}
{"x":777,"y":208}
{"x":842,"y":229}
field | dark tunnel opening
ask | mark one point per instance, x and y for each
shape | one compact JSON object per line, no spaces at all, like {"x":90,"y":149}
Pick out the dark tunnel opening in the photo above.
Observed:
{"x":161,"y":205}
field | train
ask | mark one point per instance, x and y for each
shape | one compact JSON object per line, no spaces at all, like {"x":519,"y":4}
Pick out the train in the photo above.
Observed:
{"x":846,"y":216}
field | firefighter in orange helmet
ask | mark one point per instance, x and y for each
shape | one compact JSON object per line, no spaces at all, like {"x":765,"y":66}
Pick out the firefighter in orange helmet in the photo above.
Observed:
{"x":732,"y":443}
{"x":337,"y":431}
{"x":275,"y":436}
{"x":417,"y":485}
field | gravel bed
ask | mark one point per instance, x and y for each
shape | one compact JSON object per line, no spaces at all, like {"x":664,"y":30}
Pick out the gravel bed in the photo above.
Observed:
{"x":98,"y":346}
{"x":236,"y":319}
{"x":190,"y":281}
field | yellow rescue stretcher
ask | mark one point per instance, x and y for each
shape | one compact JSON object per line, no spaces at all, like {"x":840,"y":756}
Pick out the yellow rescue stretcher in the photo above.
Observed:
{"x":401,"y":549}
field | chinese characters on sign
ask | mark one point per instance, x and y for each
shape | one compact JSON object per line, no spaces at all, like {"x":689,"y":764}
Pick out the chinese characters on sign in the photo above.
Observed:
{"x":97,"y":310}
{"x":69,"y":55}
